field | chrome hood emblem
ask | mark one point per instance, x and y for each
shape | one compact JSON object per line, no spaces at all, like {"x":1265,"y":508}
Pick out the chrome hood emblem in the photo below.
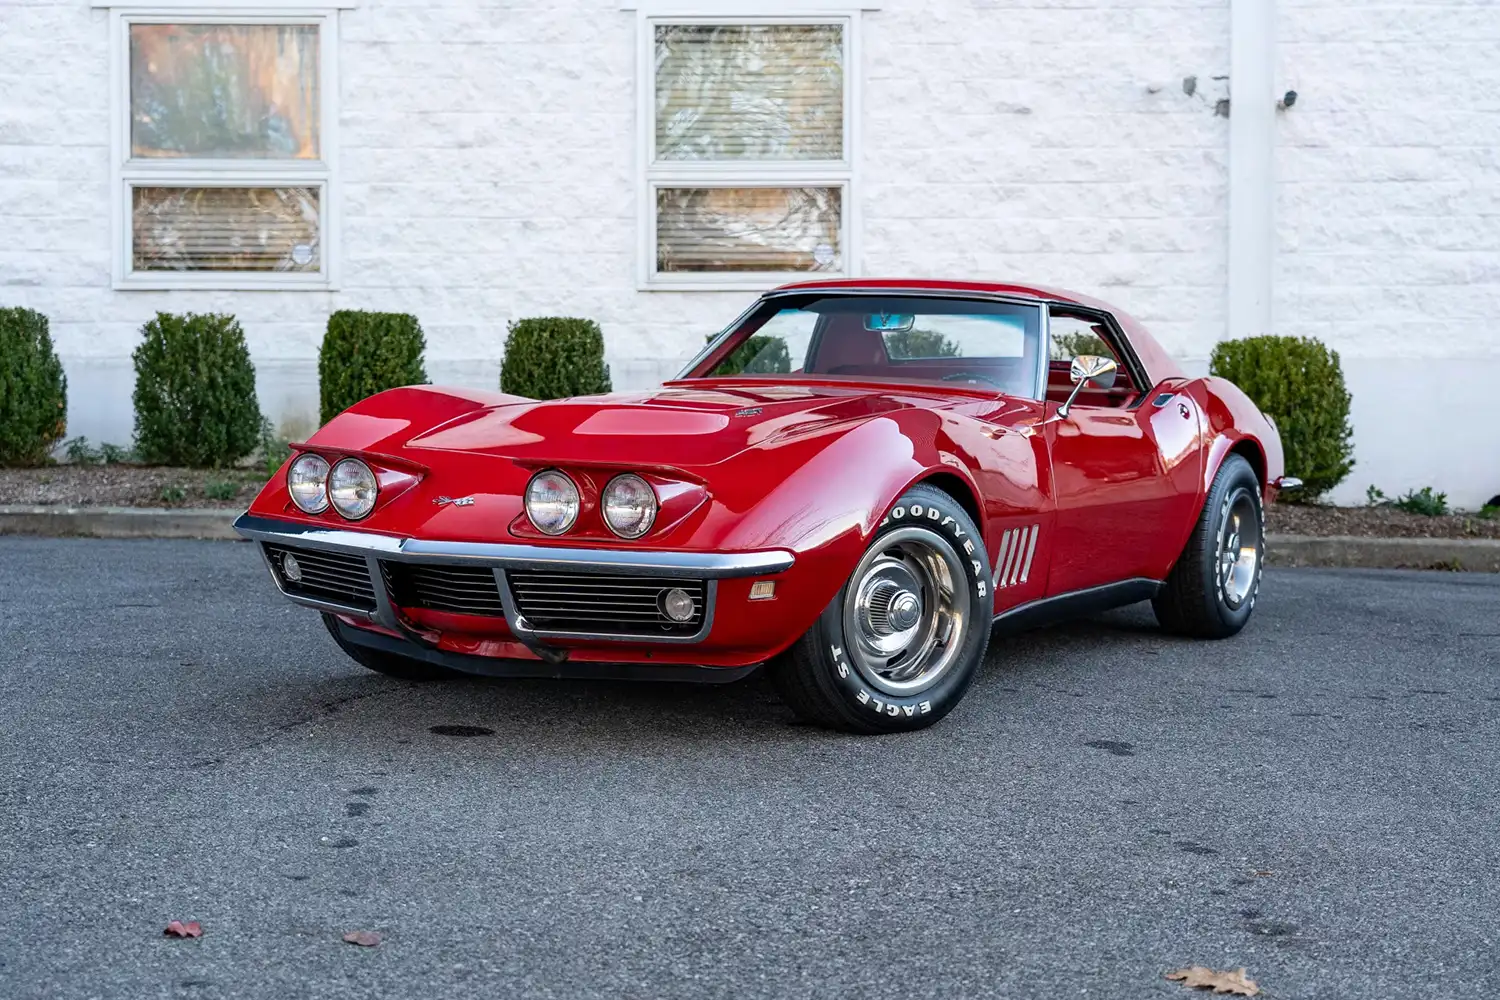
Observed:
{"x":455,"y":501}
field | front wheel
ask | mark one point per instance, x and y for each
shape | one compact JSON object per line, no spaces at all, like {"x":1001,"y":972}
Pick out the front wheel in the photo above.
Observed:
{"x":1211,"y":591}
{"x":902,"y":641}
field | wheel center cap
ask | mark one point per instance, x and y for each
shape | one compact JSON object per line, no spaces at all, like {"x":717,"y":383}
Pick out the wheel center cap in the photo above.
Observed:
{"x":906,"y":609}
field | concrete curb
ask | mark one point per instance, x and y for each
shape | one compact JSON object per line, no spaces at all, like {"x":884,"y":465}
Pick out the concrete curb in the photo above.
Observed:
{"x":118,"y":522}
{"x":1474,"y":554}
{"x":1480,"y":555}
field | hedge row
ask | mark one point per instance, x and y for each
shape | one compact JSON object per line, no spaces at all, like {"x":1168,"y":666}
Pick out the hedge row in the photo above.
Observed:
{"x":195,"y":401}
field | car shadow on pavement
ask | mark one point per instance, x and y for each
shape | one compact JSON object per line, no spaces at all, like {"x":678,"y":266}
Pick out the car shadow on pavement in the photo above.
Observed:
{"x":339,"y":702}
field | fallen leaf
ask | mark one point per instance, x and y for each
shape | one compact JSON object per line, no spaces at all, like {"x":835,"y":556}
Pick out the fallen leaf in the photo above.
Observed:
{"x":178,"y":929}
{"x":1229,"y":981}
{"x":365,"y":939}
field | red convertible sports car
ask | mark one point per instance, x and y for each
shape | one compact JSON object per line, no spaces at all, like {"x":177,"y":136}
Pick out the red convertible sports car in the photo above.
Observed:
{"x":857,"y":484}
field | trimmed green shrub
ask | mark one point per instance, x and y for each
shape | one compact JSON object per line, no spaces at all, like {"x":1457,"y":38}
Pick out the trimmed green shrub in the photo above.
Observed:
{"x":1299,"y":384}
{"x":554,"y":357}
{"x":364,"y":353}
{"x":33,"y":390}
{"x":758,"y":355}
{"x":194,"y":392}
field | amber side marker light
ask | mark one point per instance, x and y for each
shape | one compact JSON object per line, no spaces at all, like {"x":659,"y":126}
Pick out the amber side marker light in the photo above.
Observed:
{"x":762,"y":590}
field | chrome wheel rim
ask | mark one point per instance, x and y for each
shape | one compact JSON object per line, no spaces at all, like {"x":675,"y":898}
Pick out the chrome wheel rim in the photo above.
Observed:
{"x":1239,"y":548}
{"x":906,"y":611}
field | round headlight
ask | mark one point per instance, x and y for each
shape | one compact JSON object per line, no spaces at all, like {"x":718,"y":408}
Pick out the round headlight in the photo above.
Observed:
{"x":629,"y":506}
{"x":551,"y":502}
{"x":307,"y":482}
{"x":352,"y":488}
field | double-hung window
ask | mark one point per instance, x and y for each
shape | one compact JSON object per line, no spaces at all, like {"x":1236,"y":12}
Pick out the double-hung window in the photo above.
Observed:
{"x":224,"y":148}
{"x":747,"y":149}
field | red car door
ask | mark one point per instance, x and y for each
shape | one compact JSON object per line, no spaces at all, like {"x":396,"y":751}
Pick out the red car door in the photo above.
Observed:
{"x":1123,"y":492}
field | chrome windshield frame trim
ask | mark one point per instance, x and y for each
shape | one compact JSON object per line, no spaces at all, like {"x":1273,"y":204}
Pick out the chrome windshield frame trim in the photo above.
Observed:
{"x":1039,"y":393}
{"x":519,"y":556}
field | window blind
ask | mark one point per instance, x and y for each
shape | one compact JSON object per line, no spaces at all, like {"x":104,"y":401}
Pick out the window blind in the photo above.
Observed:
{"x":748,"y":229}
{"x":749,"y":92}
{"x":225,"y":229}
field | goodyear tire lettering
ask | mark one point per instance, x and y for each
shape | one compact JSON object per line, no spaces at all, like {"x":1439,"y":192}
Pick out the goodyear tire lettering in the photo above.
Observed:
{"x":847,"y":678}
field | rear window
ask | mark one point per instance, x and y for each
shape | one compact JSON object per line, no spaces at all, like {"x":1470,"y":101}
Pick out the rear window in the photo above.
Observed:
{"x":973,"y":342}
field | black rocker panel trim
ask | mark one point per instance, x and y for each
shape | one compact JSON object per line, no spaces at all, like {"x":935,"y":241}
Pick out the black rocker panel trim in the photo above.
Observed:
{"x":1076,"y":604}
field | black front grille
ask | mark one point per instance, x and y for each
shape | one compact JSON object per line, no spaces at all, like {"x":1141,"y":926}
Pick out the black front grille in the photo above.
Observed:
{"x":461,"y":590}
{"x":324,"y":576}
{"x":612,"y":605}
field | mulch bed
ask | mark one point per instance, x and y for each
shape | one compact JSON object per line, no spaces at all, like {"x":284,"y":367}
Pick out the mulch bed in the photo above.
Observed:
{"x":1374,"y":522}
{"x":130,"y":486}
{"x":155,"y":486}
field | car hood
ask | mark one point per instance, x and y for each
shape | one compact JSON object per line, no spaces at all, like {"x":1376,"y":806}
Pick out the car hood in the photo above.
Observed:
{"x":673,"y":427}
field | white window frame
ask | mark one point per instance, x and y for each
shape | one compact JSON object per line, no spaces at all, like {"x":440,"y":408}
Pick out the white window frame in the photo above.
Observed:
{"x":127,"y":172}
{"x":652,"y":173}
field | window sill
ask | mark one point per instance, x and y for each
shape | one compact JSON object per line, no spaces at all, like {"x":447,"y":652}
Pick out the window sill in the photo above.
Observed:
{"x":225,"y":6}
{"x":754,"y":8}
{"x":158,"y":281}
{"x":758,"y":282}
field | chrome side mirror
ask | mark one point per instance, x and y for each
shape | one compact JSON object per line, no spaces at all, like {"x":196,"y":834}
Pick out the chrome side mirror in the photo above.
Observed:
{"x":1085,"y":369}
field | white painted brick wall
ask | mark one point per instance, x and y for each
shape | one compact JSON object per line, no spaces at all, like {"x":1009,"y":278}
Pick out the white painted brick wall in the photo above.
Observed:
{"x":1388,"y":202}
{"x":1388,"y":228}
{"x":488,"y":174}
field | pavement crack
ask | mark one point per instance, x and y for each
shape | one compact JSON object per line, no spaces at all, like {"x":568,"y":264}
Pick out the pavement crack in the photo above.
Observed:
{"x":328,"y":708}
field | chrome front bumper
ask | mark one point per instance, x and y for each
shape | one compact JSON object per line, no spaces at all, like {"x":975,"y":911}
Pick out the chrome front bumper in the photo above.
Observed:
{"x":503,"y":557}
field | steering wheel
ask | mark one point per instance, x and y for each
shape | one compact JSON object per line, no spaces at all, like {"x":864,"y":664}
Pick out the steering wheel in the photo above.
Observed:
{"x":956,"y":376}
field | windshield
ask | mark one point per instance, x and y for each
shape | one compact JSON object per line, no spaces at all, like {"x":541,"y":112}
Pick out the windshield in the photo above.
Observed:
{"x":972,"y":342}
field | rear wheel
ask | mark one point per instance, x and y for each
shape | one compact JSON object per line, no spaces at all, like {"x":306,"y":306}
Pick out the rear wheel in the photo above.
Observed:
{"x":1211,"y":591}
{"x":391,"y":664}
{"x":902,"y":641}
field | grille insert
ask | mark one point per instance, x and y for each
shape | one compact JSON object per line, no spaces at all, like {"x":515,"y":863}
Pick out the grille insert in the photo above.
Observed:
{"x":610,"y":605}
{"x":460,"y":590}
{"x":325,"y":576}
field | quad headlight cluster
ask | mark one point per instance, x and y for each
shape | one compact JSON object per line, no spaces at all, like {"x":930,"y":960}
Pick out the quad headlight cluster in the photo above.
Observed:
{"x":349,"y":486}
{"x":628,"y":503}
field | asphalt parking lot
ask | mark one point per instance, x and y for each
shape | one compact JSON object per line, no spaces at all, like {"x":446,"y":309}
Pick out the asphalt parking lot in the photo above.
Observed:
{"x":1315,"y":800}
